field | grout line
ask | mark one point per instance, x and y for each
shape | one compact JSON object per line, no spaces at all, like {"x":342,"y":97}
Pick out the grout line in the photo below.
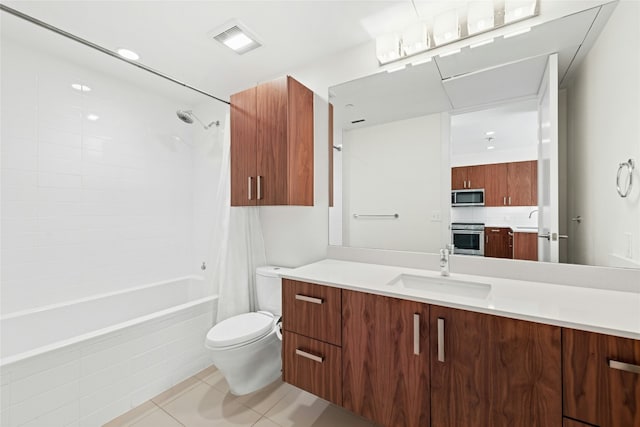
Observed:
{"x":168,"y":413}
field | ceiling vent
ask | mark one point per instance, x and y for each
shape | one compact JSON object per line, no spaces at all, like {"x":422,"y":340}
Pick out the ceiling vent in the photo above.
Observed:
{"x":236,"y":37}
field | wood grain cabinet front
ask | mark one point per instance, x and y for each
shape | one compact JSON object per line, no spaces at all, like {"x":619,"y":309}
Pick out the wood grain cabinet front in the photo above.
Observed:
{"x":385,"y":359}
{"x":525,"y":246}
{"x":272,"y":144}
{"x":498,"y":242}
{"x":493,"y":371}
{"x":601,"y":379}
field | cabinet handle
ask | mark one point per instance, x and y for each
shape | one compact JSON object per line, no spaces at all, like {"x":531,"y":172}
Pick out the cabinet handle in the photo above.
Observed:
{"x":486,"y":238}
{"x":504,"y":202}
{"x":309,"y":299}
{"x":313,"y":357}
{"x":469,"y":183}
{"x":509,"y":200}
{"x":495,"y":231}
{"x":249,"y":180}
{"x":440,"y":339}
{"x":416,"y":334}
{"x":259,"y":187}
{"x":627,"y":367}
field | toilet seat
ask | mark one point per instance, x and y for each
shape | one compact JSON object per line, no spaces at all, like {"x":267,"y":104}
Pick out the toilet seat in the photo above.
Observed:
{"x":240,"y":330}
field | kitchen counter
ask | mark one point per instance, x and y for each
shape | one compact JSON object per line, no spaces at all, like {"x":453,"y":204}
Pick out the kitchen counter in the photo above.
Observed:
{"x":515,"y":228}
{"x":596,"y":310}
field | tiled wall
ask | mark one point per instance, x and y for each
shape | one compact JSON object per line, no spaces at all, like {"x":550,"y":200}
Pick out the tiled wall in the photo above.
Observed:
{"x":497,"y":216}
{"x":89,"y":206}
{"x":92,"y":382}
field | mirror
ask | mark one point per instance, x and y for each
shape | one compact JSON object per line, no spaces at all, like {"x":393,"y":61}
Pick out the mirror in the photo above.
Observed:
{"x":401,"y":138}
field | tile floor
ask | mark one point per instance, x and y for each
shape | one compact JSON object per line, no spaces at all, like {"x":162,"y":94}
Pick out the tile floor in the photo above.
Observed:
{"x":205,"y":400}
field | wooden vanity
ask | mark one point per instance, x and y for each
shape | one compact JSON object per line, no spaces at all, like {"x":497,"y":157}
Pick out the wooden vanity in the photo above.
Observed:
{"x":399,"y":362}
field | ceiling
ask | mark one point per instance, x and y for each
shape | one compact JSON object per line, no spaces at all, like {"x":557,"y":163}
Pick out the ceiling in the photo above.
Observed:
{"x":173,"y":36}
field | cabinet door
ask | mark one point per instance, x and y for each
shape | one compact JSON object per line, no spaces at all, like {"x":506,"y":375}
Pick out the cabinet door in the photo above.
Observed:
{"x":299,"y":144}
{"x":475,"y":176}
{"x":458,"y":178}
{"x":525,"y":246}
{"x":493,"y":371}
{"x":520,"y":183}
{"x":495,"y":184}
{"x":598,"y":390}
{"x":271,"y":151}
{"x":385,"y":359}
{"x":243,"y":148}
{"x":498,"y":242}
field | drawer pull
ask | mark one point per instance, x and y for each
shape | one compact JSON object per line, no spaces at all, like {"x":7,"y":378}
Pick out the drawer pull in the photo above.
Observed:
{"x":627,"y":367}
{"x":309,"y":299}
{"x":416,"y":334}
{"x":313,"y":357}
{"x":440,"y":339}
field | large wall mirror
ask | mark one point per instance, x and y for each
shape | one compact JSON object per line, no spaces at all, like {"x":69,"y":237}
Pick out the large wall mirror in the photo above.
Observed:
{"x":520,"y":148}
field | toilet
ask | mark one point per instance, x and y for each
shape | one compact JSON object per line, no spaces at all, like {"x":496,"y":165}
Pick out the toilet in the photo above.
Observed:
{"x":247,"y":348}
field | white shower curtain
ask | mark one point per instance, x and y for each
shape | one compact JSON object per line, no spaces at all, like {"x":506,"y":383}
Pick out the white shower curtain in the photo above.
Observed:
{"x":237,"y":245}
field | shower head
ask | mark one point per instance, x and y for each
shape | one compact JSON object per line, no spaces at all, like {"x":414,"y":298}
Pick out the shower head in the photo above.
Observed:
{"x":187,"y":116}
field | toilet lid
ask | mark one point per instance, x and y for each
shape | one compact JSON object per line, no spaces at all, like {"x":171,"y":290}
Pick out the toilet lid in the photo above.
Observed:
{"x":240,"y":329}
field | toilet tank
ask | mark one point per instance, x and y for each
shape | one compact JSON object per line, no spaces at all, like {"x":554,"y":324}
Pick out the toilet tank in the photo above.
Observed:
{"x":269,"y":289}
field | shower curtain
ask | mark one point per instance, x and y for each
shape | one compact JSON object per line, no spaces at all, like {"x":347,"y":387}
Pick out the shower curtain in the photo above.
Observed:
{"x":237,"y":245}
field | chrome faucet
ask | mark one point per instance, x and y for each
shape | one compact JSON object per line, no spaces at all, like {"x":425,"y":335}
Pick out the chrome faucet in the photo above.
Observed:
{"x":532,"y":212}
{"x":444,"y":262}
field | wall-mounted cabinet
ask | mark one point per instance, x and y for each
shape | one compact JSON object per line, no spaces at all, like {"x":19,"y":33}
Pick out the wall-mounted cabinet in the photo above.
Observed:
{"x":467,"y":177}
{"x":272,"y":145}
{"x":511,"y":184}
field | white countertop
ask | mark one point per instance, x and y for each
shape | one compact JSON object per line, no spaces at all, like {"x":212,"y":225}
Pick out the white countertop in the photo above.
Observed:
{"x":597,"y":310}
{"x":515,"y":228}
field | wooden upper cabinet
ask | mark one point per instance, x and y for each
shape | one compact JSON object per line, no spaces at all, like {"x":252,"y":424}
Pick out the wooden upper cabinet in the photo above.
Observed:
{"x":279,"y":169}
{"x":522,"y":183}
{"x":601,"y":376}
{"x":243,"y":148}
{"x":493,"y":371}
{"x":495,"y":184}
{"x":467,"y":177}
{"x":385,"y":359}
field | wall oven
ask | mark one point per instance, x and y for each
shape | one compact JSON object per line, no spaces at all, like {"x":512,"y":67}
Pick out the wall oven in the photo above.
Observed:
{"x":467,"y":197}
{"x":468,"y":238}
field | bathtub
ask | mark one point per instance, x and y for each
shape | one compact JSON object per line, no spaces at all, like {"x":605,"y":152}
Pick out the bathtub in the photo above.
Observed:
{"x":87,"y":361}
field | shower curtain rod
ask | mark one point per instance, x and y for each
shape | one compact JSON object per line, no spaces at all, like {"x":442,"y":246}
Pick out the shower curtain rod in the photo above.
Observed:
{"x":104,"y":50}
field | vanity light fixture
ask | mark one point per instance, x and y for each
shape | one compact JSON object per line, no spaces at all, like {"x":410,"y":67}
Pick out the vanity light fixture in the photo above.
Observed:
{"x":517,"y":33}
{"x":387,"y":48}
{"x":480,"y":16}
{"x":415,"y":39}
{"x":128,"y":54}
{"x":516,"y":10}
{"x":80,"y":87}
{"x":236,"y":37}
{"x":446,"y":28}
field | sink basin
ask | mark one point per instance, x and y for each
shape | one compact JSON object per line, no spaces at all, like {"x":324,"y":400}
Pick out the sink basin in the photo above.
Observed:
{"x":442,"y":285}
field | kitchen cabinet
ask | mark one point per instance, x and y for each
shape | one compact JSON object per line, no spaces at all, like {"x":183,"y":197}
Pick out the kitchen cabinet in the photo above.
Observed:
{"x":493,"y":371}
{"x":312,"y":336}
{"x":568,"y":422}
{"x":272,"y":144}
{"x":498,"y":242}
{"x":511,"y":184}
{"x":467,"y":177}
{"x":525,"y":246}
{"x":385,"y":357}
{"x":601,"y":379}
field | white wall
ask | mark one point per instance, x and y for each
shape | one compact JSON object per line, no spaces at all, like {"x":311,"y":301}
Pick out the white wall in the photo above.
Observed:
{"x":89,"y":206}
{"x":379,"y":177}
{"x":603,"y":112}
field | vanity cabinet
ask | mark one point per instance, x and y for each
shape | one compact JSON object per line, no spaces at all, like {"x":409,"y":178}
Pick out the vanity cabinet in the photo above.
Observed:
{"x":467,"y":177}
{"x":493,"y":371}
{"x":385,"y":358}
{"x":498,"y":242}
{"x":525,"y":246}
{"x":312,"y":337}
{"x":601,"y":376}
{"x":272,"y":144}
{"x":511,"y":184}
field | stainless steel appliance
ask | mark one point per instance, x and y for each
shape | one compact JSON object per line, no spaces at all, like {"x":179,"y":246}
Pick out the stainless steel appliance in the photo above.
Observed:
{"x":467,"y":197}
{"x":468,"y":238}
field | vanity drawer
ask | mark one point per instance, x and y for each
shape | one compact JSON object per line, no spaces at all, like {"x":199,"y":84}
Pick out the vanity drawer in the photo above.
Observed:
{"x":312,"y":310}
{"x":313,"y":366}
{"x":601,"y":376}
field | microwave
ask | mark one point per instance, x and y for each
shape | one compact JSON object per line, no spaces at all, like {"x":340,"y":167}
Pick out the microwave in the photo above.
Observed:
{"x":467,"y":197}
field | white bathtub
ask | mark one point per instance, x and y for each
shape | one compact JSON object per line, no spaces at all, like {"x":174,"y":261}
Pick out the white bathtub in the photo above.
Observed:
{"x":87,"y":361}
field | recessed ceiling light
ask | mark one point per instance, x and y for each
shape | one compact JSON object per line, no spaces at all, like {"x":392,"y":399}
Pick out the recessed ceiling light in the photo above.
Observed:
{"x":92,"y":117}
{"x":490,"y":132}
{"x":128,"y":54}
{"x":236,"y":37}
{"x":81,"y":88}
{"x":490,"y":147}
